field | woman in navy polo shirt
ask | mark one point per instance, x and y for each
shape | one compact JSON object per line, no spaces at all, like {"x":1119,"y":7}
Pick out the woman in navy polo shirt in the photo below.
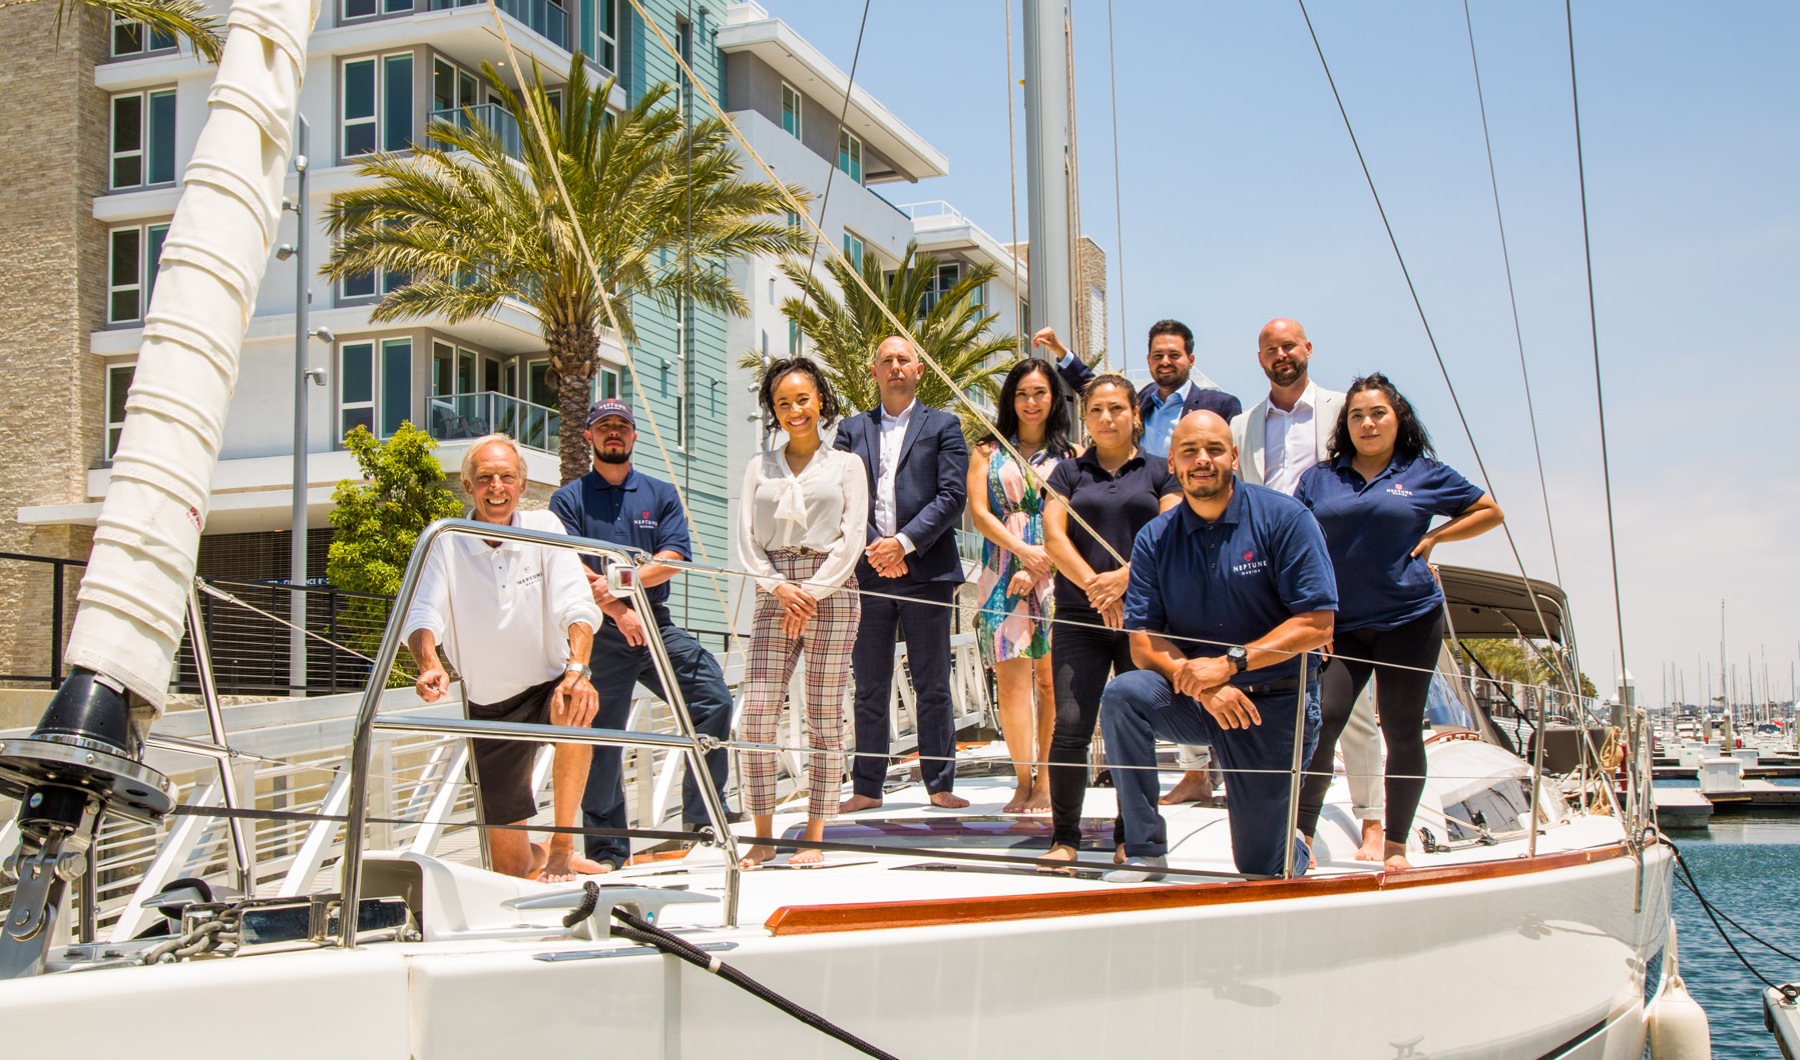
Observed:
{"x":1116,"y":488}
{"x":1375,"y":499}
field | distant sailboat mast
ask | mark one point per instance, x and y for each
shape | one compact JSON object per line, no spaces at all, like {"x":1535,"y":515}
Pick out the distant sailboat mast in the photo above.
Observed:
{"x":1049,"y":160}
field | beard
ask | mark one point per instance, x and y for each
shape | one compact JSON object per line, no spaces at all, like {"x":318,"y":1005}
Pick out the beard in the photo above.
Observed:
{"x":622,"y":456}
{"x":1206,"y":492}
{"x":1285,"y":373}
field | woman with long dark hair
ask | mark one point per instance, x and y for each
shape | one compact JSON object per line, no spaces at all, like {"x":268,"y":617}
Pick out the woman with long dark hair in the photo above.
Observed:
{"x":1375,"y":499}
{"x":1115,"y":488}
{"x":801,"y":527}
{"x":1006,"y":503}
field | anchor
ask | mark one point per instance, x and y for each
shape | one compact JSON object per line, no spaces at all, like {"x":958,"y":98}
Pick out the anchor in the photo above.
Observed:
{"x":82,"y":762}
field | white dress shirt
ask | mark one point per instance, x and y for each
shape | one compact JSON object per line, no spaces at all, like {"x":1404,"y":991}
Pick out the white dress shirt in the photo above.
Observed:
{"x":1290,"y":443}
{"x":893,"y":439}
{"x":822,"y":509}
{"x":512,"y":606}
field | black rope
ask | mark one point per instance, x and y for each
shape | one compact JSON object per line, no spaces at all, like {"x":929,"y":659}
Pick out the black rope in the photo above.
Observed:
{"x":1790,"y":991}
{"x":843,"y":112}
{"x":590,"y":900}
{"x":640,"y":930}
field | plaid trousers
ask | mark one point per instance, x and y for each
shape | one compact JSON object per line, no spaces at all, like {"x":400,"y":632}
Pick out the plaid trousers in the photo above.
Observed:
{"x":828,"y":641}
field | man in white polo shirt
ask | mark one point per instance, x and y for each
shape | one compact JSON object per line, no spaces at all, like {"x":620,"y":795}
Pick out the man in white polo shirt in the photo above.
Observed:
{"x":516,"y":621}
{"x":1277,"y":440}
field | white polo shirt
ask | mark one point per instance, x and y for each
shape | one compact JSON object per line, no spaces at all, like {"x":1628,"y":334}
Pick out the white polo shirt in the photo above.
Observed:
{"x":503,"y":614}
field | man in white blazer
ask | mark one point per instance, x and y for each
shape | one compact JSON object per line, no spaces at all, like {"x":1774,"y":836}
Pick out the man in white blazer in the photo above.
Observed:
{"x":1277,"y":440}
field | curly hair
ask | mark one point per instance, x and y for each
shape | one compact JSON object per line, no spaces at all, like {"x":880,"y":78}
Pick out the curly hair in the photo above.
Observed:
{"x":1115,"y":379}
{"x":829,"y":409}
{"x":1412,"y":441}
{"x":1057,"y":427}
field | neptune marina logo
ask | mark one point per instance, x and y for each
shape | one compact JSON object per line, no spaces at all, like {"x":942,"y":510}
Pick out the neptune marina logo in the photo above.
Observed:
{"x":1399,"y":490}
{"x":1250,"y":564}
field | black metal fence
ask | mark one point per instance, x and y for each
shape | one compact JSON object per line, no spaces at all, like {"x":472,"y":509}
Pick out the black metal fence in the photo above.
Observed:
{"x":37,"y":596}
{"x":250,"y":640}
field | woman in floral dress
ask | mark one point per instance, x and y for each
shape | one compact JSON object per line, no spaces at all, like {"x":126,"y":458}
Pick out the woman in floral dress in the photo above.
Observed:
{"x":1006,"y":503}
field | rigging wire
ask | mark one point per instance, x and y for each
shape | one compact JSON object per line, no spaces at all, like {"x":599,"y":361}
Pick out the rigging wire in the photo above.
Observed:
{"x":1419,"y":306}
{"x":1512,"y":294}
{"x":1587,"y":254}
{"x":843,"y":113}
{"x":1012,"y":182}
{"x":1112,"y":79}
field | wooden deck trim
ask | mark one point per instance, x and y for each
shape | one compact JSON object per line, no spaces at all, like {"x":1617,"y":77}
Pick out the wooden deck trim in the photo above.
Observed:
{"x":936,"y":912}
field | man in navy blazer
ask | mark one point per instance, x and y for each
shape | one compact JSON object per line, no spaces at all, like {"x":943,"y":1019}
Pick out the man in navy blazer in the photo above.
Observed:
{"x":1173,"y":390}
{"x":918,"y":467}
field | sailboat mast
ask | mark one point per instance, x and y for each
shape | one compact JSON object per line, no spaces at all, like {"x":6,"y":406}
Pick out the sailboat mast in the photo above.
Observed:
{"x":1049,"y":156}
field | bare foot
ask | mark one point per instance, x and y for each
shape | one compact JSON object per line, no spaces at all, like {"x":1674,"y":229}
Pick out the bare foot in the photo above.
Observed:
{"x":558,"y":866}
{"x":585,"y":866}
{"x":1020,"y":797}
{"x":1060,"y":853}
{"x":858,"y":802}
{"x":949,"y":800}
{"x":1312,"y":853}
{"x":1373,"y":838}
{"x":1194,"y":786}
{"x":1119,"y":854}
{"x":1396,"y":858}
{"x":756,"y":856}
{"x":806,"y":857}
{"x":1039,"y":800}
{"x":539,"y":857}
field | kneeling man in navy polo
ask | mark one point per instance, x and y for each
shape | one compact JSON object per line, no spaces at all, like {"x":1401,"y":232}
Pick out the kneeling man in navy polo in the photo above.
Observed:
{"x":1226,"y":592}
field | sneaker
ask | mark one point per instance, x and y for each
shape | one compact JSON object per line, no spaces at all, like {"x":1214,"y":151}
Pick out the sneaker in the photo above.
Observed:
{"x":1138,"y":870}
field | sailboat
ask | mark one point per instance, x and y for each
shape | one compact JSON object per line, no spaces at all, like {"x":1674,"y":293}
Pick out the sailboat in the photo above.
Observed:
{"x":1536,"y":925}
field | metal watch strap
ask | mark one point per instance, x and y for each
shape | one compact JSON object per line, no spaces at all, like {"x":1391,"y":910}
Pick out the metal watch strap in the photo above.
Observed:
{"x":580,"y":668}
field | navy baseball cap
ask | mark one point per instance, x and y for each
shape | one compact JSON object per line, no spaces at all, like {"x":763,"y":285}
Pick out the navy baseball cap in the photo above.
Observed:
{"x":610,"y":407}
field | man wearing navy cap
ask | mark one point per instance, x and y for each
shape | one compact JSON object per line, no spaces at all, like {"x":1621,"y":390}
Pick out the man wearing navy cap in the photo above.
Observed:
{"x":1226,"y":591}
{"x":615,"y":503}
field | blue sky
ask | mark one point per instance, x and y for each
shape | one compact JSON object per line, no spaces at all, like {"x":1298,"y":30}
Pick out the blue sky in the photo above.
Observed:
{"x":1242,"y":200}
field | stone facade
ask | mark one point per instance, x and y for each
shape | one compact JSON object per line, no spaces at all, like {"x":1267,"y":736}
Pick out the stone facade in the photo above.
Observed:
{"x":52,"y":294}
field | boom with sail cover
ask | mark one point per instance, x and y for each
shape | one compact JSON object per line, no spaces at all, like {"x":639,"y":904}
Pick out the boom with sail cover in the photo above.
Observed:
{"x":83,"y":759}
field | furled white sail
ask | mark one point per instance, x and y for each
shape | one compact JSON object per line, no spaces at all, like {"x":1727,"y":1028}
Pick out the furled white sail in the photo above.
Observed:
{"x":135,"y":590}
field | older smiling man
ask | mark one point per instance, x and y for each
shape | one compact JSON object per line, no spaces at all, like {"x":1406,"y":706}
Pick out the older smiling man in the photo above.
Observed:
{"x":516,"y":621}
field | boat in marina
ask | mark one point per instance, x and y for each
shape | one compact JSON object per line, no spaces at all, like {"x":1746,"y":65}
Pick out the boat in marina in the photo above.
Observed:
{"x":1535,"y":923}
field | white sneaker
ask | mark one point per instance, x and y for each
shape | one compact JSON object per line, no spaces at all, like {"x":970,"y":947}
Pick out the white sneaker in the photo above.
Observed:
{"x":1138,"y":870}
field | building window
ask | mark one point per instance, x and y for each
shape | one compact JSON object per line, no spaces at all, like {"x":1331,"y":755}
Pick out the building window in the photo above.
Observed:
{"x":683,"y":365}
{"x":793,"y":338}
{"x":849,"y":158}
{"x":452,"y":89}
{"x":118,"y":386}
{"x":131,"y":271}
{"x":606,"y":384}
{"x":790,"y":109}
{"x":143,"y":139}
{"x":369,"y":285}
{"x":355,"y":9}
{"x":599,"y":31}
{"x":366,"y":385}
{"x":853,"y":249}
{"x":130,"y":39}
{"x":939,"y":285}
{"x":377,"y":105}
{"x":537,"y":386}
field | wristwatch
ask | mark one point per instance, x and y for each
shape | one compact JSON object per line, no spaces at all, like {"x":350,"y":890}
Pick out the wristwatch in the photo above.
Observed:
{"x":1240,"y":658}
{"x":580,"y":668}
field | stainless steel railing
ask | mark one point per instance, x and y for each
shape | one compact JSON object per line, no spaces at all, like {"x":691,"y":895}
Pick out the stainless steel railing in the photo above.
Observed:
{"x":368,"y":720}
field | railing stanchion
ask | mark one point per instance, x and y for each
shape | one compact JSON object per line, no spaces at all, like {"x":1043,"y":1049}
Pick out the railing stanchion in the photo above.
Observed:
{"x":199,"y":643}
{"x":1293,"y":808}
{"x":1537,"y":765}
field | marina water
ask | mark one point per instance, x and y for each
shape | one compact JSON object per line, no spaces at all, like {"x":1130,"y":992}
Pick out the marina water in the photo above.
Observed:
{"x":1749,"y":867}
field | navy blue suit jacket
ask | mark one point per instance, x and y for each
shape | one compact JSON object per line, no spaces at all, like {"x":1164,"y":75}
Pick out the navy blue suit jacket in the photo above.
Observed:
{"x":931,"y":486}
{"x":1077,"y":374}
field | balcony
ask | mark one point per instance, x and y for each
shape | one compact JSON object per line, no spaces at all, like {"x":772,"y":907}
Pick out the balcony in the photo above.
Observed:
{"x":492,"y":115}
{"x":547,"y":19}
{"x":461,"y":417}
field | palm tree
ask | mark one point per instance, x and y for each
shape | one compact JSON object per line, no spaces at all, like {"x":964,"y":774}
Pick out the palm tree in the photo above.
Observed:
{"x":173,"y":18}
{"x":471,"y":226}
{"x":844,"y":328}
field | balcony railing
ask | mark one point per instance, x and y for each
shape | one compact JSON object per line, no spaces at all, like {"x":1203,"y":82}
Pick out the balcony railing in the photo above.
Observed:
{"x":460,"y":417}
{"x":492,"y":115}
{"x":547,"y":19}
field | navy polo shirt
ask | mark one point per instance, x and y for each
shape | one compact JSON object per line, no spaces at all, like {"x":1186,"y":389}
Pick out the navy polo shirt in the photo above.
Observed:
{"x":1372,"y":527}
{"x":1232,"y":580}
{"x":642,"y":512}
{"x":1116,"y":504}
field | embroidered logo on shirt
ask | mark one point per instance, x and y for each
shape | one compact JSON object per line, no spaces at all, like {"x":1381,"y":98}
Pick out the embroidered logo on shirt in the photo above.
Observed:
{"x":1399,"y":491}
{"x":1251,"y":564}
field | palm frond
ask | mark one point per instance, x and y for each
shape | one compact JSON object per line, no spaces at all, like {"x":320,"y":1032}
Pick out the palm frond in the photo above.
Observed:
{"x":187,"y":19}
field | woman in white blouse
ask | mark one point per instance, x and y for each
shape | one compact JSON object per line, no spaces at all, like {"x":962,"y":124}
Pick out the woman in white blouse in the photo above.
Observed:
{"x":801,"y":525}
